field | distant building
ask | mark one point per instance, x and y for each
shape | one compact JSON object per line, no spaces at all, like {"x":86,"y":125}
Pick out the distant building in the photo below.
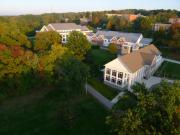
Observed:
{"x":126,"y":42}
{"x":125,"y":71}
{"x":165,"y":26}
{"x":85,"y":21}
{"x":129,"y":17}
{"x":65,"y":28}
{"x":174,"y":20}
{"x":161,"y":26}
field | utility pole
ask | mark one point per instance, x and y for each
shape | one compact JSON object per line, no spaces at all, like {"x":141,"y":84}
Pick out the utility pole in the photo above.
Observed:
{"x":86,"y":85}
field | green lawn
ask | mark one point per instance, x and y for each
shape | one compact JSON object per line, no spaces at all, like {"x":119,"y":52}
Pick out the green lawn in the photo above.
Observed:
{"x":53,"y":113}
{"x":97,"y":58}
{"x":101,"y":57}
{"x":169,"y":70}
{"x":105,"y":90}
{"x":172,"y":53}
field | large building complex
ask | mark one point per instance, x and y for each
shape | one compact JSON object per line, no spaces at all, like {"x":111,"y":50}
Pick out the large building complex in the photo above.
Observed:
{"x":126,"y":42}
{"x":65,"y":28}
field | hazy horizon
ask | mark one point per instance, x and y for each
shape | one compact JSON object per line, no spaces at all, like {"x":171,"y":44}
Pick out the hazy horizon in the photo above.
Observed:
{"x":21,"y":7}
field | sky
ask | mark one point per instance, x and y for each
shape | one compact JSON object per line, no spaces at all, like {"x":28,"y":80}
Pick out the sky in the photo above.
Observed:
{"x":16,"y":7}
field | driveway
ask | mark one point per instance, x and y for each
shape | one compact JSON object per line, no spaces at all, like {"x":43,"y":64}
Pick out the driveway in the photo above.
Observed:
{"x":154,"y":81}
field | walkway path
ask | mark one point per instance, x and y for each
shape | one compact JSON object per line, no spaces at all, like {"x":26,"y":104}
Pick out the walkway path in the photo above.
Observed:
{"x":173,"y":61}
{"x":99,"y":97}
{"x":154,"y":81}
{"x":116,"y":99}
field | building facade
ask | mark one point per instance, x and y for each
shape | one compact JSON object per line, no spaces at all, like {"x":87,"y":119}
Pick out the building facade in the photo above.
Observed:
{"x":64,"y":29}
{"x":161,"y":26}
{"x":126,"y":42}
{"x":125,"y":71}
{"x":128,"y":17}
{"x":174,"y":20}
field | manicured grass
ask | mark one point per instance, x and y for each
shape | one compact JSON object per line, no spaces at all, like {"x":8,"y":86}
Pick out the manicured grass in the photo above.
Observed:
{"x":97,"y":58}
{"x":169,"y":70}
{"x":105,"y":90}
{"x":172,"y":53}
{"x":53,"y":113}
{"x":101,"y":57}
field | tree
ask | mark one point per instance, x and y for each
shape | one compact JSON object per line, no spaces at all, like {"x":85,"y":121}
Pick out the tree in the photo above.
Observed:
{"x":153,"y":112}
{"x":174,"y":36}
{"x":72,"y":72}
{"x":44,"y":40}
{"x":78,"y":44}
{"x":143,"y":25}
{"x":112,"y":48}
{"x":10,"y":35}
{"x":48,"y":60}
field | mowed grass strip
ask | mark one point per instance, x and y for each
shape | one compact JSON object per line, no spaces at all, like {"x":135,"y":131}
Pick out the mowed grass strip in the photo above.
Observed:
{"x":105,"y":90}
{"x":169,"y":70}
{"x":101,"y":57}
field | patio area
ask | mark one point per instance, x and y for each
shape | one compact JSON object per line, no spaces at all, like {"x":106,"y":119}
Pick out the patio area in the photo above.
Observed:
{"x":152,"y":81}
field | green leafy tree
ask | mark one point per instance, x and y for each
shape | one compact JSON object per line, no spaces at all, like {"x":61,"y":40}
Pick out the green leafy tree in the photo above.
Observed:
{"x":72,"y":72}
{"x":78,"y":44}
{"x":153,"y":112}
{"x":143,"y":25}
{"x":10,"y":35}
{"x":44,"y":40}
{"x":112,"y":48}
{"x":48,"y":60}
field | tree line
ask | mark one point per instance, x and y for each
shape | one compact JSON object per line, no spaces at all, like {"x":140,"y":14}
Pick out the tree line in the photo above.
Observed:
{"x":47,"y":61}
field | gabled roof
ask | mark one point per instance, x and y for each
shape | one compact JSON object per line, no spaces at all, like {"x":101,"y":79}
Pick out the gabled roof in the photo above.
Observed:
{"x":67,"y":26}
{"x":129,"y":37}
{"x":137,"y":59}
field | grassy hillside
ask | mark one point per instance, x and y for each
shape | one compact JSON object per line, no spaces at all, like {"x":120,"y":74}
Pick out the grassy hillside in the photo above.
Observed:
{"x":52,"y":112}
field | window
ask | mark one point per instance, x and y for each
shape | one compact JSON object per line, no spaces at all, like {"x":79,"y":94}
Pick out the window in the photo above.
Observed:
{"x":125,"y":82}
{"x":64,"y":40}
{"x":113,"y":80}
{"x":114,"y":73}
{"x":119,"y":82}
{"x":120,"y":75}
{"x":108,"y":71}
{"x":107,"y":78}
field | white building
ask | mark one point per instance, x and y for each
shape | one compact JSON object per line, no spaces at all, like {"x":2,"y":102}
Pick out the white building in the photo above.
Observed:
{"x":126,"y":42}
{"x":124,"y":71}
{"x":65,"y":28}
{"x":161,"y":26}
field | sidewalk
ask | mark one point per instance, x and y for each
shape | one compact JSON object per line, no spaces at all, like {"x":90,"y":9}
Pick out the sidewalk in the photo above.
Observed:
{"x":103,"y":100}
{"x":116,"y":99}
{"x":173,"y":61}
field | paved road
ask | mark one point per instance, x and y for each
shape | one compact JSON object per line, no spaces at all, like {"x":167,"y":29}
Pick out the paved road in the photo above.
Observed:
{"x":173,"y":61}
{"x":99,"y":97}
